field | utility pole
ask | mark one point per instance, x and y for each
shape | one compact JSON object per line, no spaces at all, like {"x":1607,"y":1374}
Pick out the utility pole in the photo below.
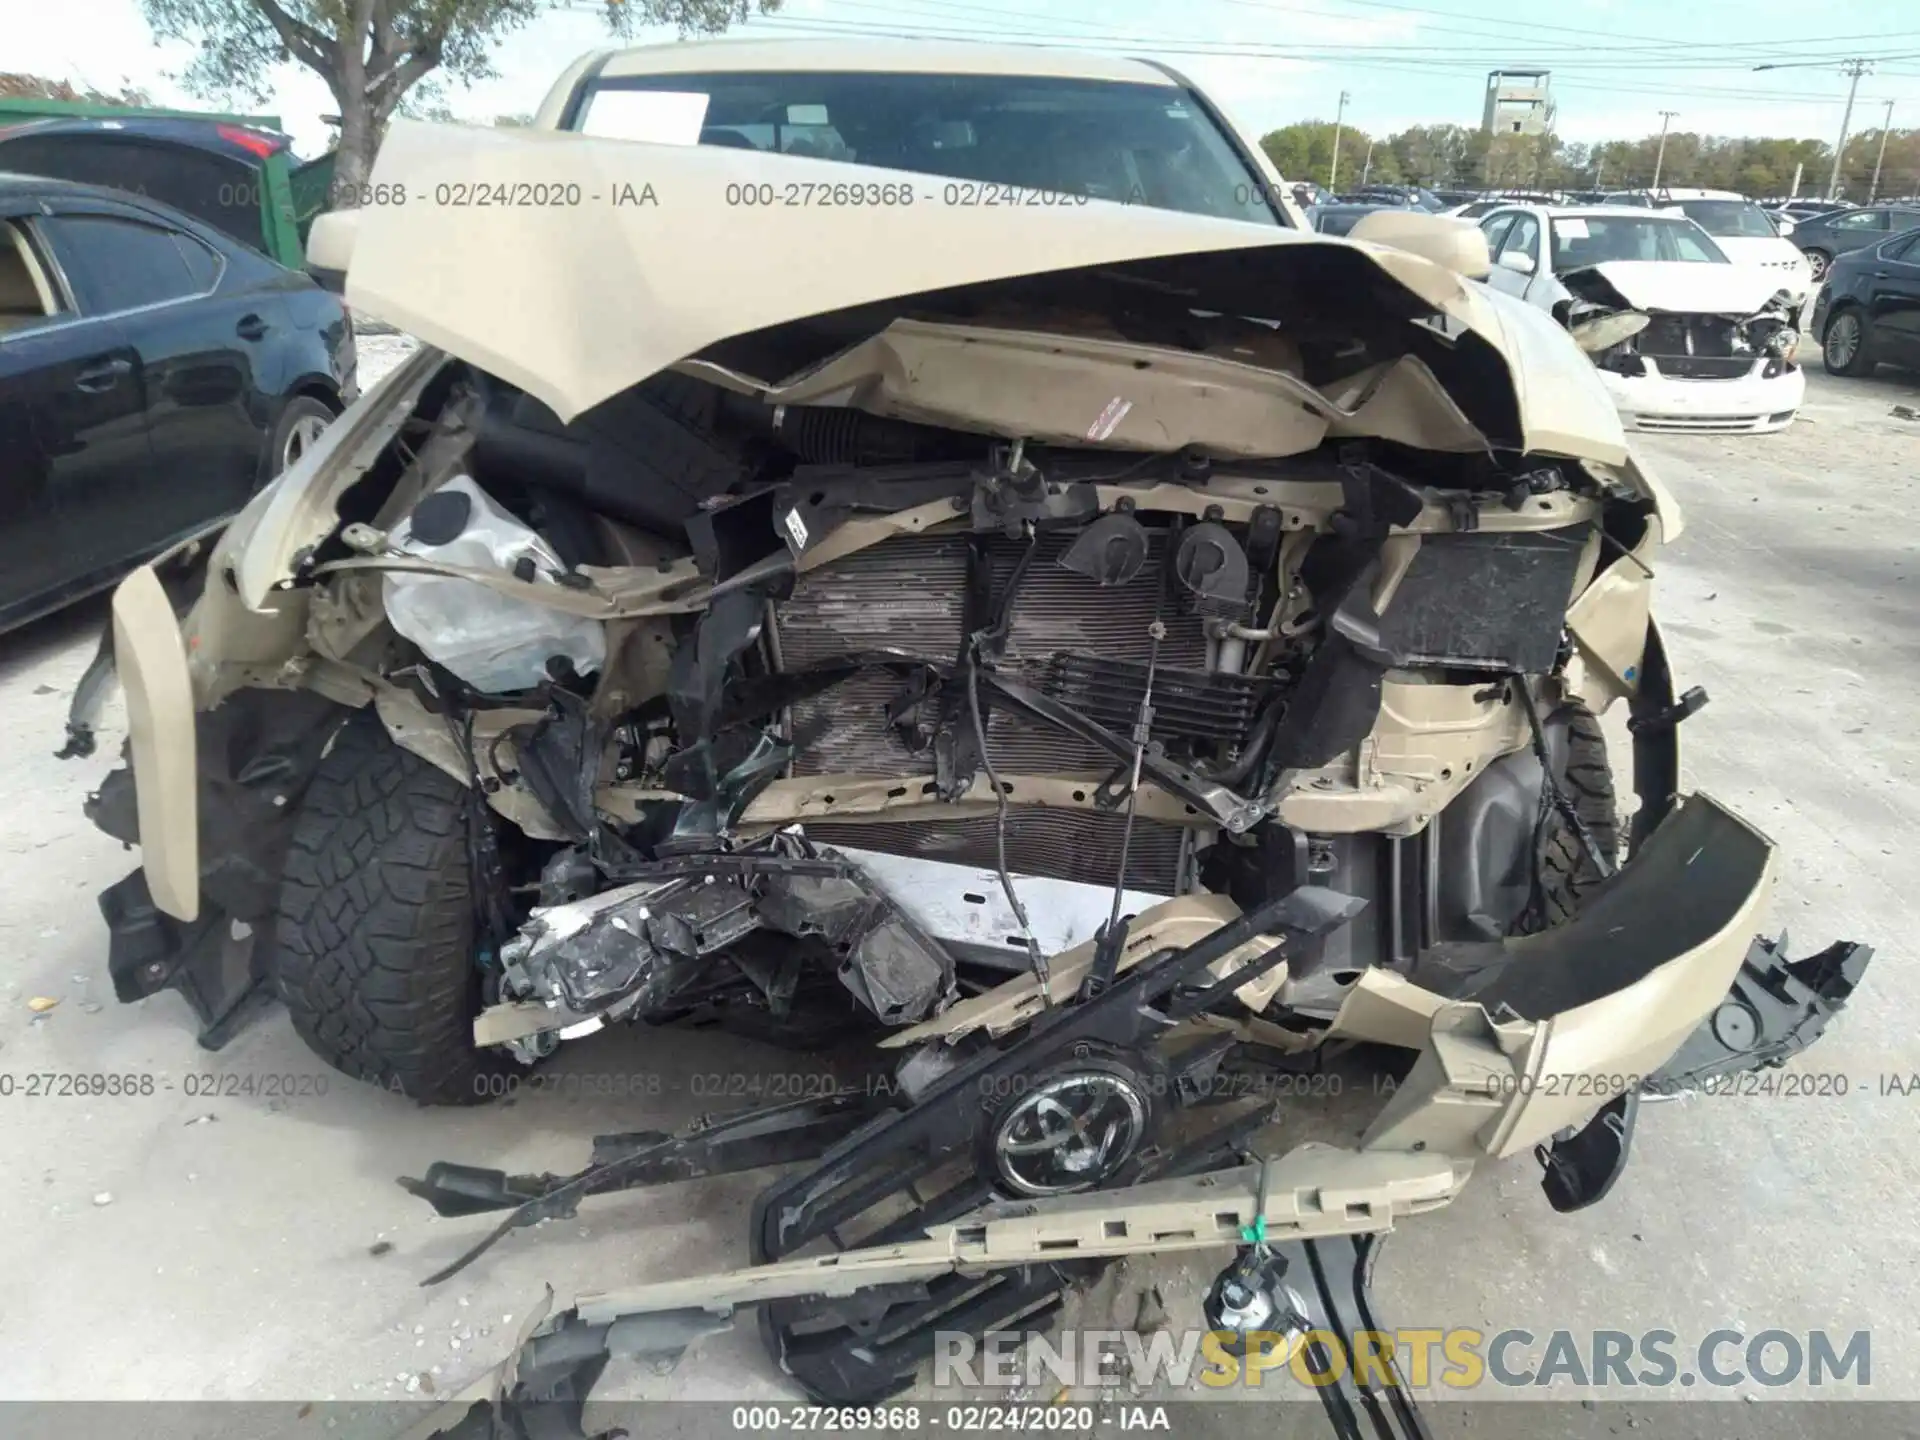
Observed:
{"x":1367,"y":169}
{"x":1333,"y":170}
{"x":1873,"y":189}
{"x":1660,"y":159}
{"x":1856,"y":68}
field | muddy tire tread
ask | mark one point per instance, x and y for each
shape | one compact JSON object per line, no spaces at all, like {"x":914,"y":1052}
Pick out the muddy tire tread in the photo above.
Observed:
{"x":1567,"y":872}
{"x":373,"y":951}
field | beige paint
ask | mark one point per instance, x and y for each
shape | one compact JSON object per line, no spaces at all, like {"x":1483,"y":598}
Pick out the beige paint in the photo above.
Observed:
{"x":1310,"y":1192}
{"x":1487,"y":1088}
{"x":1459,"y":245}
{"x":1457,"y":1093}
{"x":518,"y":1019}
{"x":1636,"y":474}
{"x":1429,"y":743}
{"x":1634,"y":1031}
{"x":1087,"y":391}
{"x":1388,"y":1009}
{"x":923,"y":57}
{"x":299,"y":507}
{"x":330,"y":239}
{"x":427,"y":735}
{"x":1609,"y":620}
{"x":1609,"y":628}
{"x":344,"y":613}
{"x":612,"y":594}
{"x":698,"y":274}
{"x":152,"y":664}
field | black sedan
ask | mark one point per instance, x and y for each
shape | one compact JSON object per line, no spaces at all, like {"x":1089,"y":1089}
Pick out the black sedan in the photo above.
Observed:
{"x":154,"y":373}
{"x":1868,"y":312}
{"x":1824,"y":238}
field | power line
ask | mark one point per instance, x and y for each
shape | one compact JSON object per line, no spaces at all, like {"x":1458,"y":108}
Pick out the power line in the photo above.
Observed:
{"x":1424,"y":56}
{"x":1361,"y":57}
{"x":1471,"y":58}
{"x":1507,"y":24}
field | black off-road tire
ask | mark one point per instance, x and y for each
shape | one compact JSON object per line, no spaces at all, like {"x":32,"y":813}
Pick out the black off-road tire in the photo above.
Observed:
{"x":374,"y":942}
{"x":1566,"y":871}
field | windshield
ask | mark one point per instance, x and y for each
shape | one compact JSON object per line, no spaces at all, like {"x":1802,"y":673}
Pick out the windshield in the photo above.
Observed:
{"x":1581,"y":240}
{"x":1105,"y":140}
{"x":1728,"y":217}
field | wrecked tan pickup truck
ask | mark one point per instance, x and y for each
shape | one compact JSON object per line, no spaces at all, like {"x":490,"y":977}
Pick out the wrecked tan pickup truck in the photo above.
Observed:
{"x":1084,"y":650}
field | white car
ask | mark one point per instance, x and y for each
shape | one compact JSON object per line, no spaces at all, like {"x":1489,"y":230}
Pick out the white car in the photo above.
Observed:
{"x":1739,"y":226}
{"x":1685,"y":338}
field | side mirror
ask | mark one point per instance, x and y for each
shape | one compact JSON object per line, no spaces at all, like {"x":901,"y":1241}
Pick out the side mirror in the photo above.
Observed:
{"x":1518,"y":261}
{"x":1444,"y":239}
{"x":330,"y":248}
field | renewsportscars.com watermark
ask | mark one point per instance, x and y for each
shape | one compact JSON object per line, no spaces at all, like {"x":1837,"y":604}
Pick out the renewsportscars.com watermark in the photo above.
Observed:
{"x":1456,"y":1359}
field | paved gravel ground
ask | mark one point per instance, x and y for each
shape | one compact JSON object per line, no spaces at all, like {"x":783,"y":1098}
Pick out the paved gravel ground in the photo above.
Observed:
{"x":180,"y":1246}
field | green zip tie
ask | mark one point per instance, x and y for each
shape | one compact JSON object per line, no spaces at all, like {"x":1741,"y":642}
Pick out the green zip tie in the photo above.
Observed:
{"x":1256,"y":1233}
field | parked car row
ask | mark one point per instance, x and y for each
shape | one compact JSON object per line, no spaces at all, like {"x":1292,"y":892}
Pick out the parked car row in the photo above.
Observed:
{"x":1738,"y":225}
{"x":1685,"y":337}
{"x":156,"y":366}
{"x":1824,"y":237}
{"x":154,"y":372}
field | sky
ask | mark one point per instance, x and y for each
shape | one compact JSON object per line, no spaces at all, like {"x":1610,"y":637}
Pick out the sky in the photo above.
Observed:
{"x":1616,"y":63}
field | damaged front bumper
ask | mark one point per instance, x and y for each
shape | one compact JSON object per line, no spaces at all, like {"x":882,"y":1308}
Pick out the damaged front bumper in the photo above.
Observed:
{"x":1756,"y":403}
{"x":1657,"y":987}
{"x":1314,"y":1193}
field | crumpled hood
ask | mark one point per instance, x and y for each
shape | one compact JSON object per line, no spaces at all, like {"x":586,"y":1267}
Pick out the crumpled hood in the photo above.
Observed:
{"x":576,"y":266}
{"x":1685,"y":287}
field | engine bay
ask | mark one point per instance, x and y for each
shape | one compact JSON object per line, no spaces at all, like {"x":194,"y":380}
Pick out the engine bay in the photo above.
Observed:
{"x":918,"y":707}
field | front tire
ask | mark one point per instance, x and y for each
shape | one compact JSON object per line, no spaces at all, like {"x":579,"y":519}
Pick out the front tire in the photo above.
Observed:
{"x":301,"y":421}
{"x":374,"y":941}
{"x":1847,"y":346}
{"x":1566,"y":871}
{"x":1817,"y":263}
